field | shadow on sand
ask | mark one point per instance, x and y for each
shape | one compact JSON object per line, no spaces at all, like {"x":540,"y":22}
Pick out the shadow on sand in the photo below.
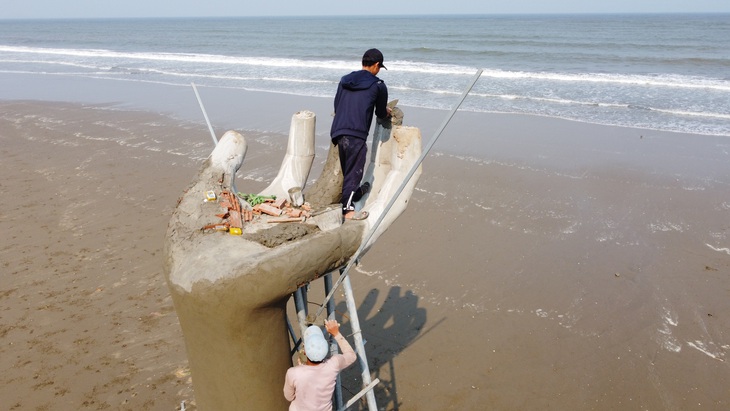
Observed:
{"x":387,"y":330}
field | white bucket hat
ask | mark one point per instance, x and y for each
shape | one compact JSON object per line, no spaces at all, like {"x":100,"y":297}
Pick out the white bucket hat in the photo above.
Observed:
{"x":315,"y":346}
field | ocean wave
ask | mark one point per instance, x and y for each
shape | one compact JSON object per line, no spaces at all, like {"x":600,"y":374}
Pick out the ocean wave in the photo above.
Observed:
{"x":399,"y":66}
{"x":562,"y":101}
{"x":670,"y":81}
{"x":204,"y":59}
{"x":50,"y":62}
{"x":668,"y":102}
{"x":721,"y":116}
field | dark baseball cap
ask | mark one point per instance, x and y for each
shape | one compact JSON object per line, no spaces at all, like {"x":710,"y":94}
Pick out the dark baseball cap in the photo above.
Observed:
{"x":371,"y":57}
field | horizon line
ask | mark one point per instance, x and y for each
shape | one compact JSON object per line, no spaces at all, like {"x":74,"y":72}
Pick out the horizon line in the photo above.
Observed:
{"x":498,"y":14}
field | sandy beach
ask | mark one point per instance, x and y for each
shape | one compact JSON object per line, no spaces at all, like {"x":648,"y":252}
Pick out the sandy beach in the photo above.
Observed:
{"x":541,"y":264}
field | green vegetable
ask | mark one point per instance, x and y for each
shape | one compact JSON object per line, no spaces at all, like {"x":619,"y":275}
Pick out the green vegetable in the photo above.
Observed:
{"x":255,"y":199}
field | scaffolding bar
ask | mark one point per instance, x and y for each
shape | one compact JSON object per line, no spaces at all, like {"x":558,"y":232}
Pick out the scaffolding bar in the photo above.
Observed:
{"x":202,"y":108}
{"x":334,"y":349}
{"x":359,"y":344}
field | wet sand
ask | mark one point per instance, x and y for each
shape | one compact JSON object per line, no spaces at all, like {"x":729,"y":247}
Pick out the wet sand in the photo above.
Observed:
{"x":541,"y":264}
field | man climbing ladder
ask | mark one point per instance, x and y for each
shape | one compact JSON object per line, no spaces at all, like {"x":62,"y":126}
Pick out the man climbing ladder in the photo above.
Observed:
{"x":310,"y":386}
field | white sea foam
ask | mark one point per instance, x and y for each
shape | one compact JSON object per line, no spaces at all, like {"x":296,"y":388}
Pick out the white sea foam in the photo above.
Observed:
{"x":725,"y":250}
{"x":359,"y":268}
{"x":665,"y":337}
{"x":572,"y":228}
{"x":671,"y":81}
{"x":709,"y":349}
{"x":656,"y":227}
{"x":541,"y":313}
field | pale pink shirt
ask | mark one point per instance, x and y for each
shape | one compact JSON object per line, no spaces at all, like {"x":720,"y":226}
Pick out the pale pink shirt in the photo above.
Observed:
{"x":310,"y":387}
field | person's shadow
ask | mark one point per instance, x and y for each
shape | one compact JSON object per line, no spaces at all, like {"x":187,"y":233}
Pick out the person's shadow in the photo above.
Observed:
{"x":387,"y":330}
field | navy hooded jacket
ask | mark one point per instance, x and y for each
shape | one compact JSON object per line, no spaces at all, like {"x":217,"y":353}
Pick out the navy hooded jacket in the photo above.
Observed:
{"x":358,"y":94}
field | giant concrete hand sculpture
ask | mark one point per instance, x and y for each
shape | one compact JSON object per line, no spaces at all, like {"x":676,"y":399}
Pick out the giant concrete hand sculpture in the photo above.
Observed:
{"x":230,"y":291}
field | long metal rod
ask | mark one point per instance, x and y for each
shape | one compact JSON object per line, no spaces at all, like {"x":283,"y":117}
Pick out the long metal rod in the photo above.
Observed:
{"x":410,"y":174}
{"x":333,"y":345}
{"x":359,"y":343}
{"x":200,"y":102}
{"x":300,"y":304}
{"x":292,"y":334}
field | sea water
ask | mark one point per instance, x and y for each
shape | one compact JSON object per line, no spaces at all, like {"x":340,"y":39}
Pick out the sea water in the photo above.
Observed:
{"x":666,"y":72}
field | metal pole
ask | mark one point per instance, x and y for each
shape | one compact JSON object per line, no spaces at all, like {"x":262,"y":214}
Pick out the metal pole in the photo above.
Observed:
{"x":210,"y":127}
{"x":200,"y":102}
{"x":430,"y":144}
{"x":300,"y":302}
{"x":333,"y":345}
{"x":292,"y":334}
{"x":359,"y":343}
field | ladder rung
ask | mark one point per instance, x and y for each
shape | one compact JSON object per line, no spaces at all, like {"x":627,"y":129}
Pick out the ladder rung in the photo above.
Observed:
{"x":361,"y":393}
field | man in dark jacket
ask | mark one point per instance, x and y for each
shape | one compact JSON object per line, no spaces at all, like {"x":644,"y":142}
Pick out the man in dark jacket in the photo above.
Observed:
{"x":358,"y":95}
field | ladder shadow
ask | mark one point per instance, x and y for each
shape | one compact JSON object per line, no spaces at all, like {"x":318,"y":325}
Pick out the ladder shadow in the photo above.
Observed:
{"x":387,"y":330}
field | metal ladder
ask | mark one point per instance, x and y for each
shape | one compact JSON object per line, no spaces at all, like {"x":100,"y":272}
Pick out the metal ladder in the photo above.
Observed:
{"x":301,"y":302}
